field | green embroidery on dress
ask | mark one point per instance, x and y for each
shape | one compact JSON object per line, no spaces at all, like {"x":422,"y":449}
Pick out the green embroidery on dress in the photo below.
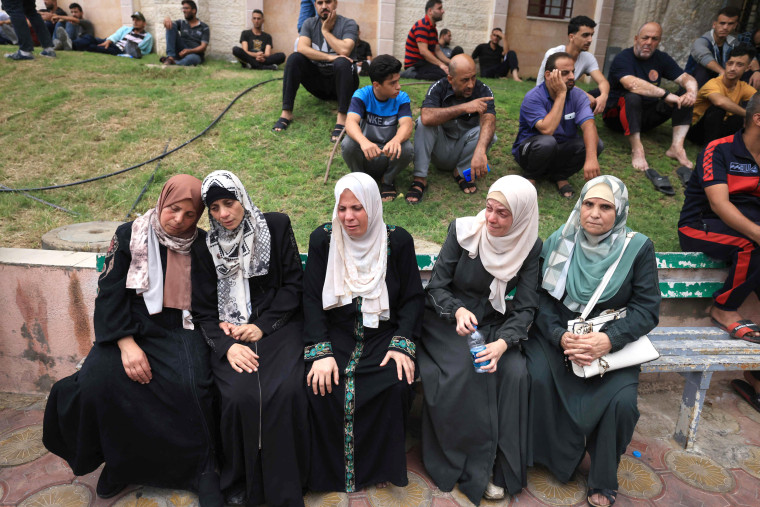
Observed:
{"x":350,"y":399}
{"x":317,"y":351}
{"x":402,"y":344}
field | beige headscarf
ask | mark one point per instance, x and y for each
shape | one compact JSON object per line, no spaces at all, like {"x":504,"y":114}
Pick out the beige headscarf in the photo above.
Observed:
{"x":503,"y":256}
{"x":356,"y":266}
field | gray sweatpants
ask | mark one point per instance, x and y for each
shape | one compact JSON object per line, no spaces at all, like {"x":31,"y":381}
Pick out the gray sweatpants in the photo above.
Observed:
{"x":431,"y":144}
{"x":380,"y":167}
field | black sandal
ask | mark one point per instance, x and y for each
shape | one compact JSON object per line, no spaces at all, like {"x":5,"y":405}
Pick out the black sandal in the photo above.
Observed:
{"x":416,"y":191}
{"x":661,"y":183}
{"x":282,"y":123}
{"x":464,"y":185}
{"x":746,"y":391}
{"x":388,"y":191}
{"x":610,"y":494}
{"x":684,"y":174}
{"x":567,"y":188}
{"x":337,"y":131}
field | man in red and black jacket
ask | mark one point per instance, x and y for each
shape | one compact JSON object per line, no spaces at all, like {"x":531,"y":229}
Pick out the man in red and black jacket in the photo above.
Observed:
{"x":721,"y":217}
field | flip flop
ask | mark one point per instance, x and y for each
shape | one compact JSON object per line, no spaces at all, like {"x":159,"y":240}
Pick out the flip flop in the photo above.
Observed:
{"x":740,"y":329}
{"x":282,"y":124}
{"x":567,"y":188}
{"x":610,"y":494}
{"x":747,"y":392}
{"x":661,"y":183}
{"x":464,"y":184}
{"x":684,"y":174}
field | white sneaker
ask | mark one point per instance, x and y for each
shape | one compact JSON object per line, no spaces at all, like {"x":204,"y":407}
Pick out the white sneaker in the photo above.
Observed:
{"x":494,"y":492}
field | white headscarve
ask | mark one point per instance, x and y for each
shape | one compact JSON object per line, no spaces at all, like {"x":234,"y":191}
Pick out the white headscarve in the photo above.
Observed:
{"x":503,"y":256}
{"x":238,"y":254}
{"x":356,"y":266}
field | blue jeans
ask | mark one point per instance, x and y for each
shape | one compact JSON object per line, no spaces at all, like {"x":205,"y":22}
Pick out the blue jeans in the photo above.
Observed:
{"x":72,"y":29}
{"x":174,"y":45}
{"x":19,"y":11}
{"x":307,"y":11}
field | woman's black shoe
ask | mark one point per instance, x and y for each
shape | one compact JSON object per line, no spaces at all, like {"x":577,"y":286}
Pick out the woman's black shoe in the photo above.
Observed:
{"x":209,"y":491}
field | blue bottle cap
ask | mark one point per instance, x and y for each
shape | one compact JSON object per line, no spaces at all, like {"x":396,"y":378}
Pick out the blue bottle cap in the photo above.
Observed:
{"x":637,"y":454}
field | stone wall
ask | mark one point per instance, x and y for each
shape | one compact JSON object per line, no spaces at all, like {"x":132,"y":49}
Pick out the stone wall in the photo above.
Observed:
{"x":104,"y":14}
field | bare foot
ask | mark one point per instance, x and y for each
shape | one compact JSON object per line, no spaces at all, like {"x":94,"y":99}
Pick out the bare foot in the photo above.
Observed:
{"x":599,"y":499}
{"x":585,"y":465}
{"x":751,"y":380}
{"x":516,"y":76}
{"x":679,"y":154}
{"x":726,"y":318}
{"x":382,"y":485}
{"x":638,"y":160}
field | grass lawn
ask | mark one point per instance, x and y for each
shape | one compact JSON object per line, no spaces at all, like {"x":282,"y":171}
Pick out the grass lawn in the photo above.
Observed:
{"x":83,"y":115}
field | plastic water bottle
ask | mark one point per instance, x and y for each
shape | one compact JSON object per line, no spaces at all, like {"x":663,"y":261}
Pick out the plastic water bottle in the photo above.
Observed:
{"x":477,"y":344}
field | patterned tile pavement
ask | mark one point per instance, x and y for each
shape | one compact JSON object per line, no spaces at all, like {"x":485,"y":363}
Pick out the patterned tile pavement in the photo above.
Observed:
{"x":723,"y":469}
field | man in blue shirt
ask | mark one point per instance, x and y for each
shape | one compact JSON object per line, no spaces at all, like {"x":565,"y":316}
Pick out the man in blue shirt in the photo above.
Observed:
{"x":127,"y":40}
{"x":379,"y":125}
{"x":547,"y":144}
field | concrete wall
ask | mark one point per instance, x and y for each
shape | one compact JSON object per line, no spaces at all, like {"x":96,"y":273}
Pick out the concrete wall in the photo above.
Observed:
{"x":47,"y":300}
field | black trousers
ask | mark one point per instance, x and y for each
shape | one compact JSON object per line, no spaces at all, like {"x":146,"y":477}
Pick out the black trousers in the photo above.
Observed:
{"x":542,"y":157}
{"x":631,"y":115}
{"x":507,"y":65}
{"x":714,"y":124}
{"x":339,"y":81}
{"x":719,"y":241}
{"x":428,"y":71}
{"x":273,"y":59}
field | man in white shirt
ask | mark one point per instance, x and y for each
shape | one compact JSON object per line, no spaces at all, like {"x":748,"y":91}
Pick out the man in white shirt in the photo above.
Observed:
{"x":580,"y":33}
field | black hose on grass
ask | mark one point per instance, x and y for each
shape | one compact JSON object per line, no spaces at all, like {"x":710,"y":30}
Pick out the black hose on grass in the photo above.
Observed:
{"x":154,"y":159}
{"x":147,"y":184}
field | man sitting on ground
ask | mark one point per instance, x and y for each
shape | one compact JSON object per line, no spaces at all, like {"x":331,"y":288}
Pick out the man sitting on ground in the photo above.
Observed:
{"x":423,"y":58}
{"x":378,"y":127}
{"x":256,"y":50}
{"x":709,"y":53}
{"x":455,"y":129}
{"x":580,"y":33}
{"x":322,"y":64}
{"x":186,"y":39}
{"x":497,"y":61}
{"x":547,"y":143}
{"x":719,"y":109}
{"x":49,"y":12}
{"x":637,"y":103}
{"x":444,"y":42}
{"x":70,"y":28}
{"x":7,"y":34}
{"x":362,"y":54}
{"x":127,"y":40}
{"x":721,"y":218}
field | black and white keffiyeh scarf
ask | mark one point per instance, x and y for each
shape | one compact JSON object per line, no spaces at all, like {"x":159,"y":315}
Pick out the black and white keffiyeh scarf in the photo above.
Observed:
{"x":238,"y":254}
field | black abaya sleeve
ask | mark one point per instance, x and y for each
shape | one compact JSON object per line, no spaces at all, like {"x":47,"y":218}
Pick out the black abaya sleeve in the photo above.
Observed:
{"x":317,"y":345}
{"x":643,"y":308}
{"x":525,"y":302}
{"x":438,"y":293}
{"x":551,"y":318}
{"x":411,"y":300}
{"x":113,"y":312}
{"x":287,"y":299}
{"x":205,"y":305}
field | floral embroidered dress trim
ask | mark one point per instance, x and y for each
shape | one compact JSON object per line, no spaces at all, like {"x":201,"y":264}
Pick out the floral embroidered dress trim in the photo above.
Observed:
{"x":317,"y":351}
{"x":350,"y":400}
{"x":403,"y":345}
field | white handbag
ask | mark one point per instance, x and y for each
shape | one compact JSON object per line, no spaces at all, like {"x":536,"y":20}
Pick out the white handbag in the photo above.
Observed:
{"x":636,"y":352}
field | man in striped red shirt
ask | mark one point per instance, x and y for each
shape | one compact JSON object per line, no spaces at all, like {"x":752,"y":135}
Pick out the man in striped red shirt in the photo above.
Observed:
{"x":423,"y":54}
{"x":721,"y":217}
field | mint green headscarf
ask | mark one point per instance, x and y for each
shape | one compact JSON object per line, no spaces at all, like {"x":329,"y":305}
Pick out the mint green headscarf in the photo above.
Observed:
{"x":575,"y":261}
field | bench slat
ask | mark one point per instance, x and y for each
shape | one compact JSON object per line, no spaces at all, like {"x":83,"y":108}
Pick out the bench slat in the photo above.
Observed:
{"x":702,"y":363}
{"x":705,"y":347}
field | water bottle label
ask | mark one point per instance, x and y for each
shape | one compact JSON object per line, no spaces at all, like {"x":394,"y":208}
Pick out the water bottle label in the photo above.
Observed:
{"x":474,"y":351}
